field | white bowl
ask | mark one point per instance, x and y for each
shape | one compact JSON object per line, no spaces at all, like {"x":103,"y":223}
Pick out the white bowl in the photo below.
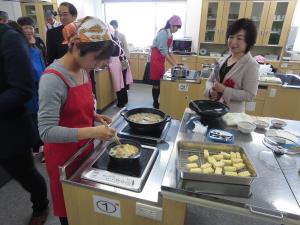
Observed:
{"x":246,"y":127}
{"x":260,"y":124}
{"x":278,"y":123}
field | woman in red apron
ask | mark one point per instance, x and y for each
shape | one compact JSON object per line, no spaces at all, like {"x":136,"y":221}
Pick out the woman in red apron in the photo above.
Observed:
{"x":66,"y":87}
{"x":160,"y":52}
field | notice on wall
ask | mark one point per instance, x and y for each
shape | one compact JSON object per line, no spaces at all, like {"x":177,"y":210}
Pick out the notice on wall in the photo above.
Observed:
{"x":107,"y":206}
{"x":183,"y":87}
{"x":250,"y":106}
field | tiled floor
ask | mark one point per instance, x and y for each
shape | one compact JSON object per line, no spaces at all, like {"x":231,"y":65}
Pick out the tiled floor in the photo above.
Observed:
{"x":15,"y":207}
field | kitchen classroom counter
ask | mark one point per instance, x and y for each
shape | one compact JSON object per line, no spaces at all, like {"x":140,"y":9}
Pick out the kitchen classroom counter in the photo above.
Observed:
{"x":82,"y":196}
{"x":272,"y":100}
{"x":275,"y":193}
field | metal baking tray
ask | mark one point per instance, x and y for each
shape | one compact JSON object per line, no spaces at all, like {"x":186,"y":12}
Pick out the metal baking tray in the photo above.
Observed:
{"x":188,"y":148}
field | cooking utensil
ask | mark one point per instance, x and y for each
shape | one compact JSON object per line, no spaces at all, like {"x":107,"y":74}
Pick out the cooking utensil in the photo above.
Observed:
{"x":115,"y":137}
{"x":179,"y":71}
{"x":124,"y":161}
{"x":208,"y":109}
{"x":153,"y":127}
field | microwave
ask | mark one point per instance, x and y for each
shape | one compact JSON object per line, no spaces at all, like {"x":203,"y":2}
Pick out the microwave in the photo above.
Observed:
{"x":182,"y":46}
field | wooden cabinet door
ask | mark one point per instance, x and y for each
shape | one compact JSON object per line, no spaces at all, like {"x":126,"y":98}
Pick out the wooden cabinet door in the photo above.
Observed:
{"x":142,"y":65}
{"x":175,"y":97}
{"x":278,"y":22}
{"x":258,"y":10}
{"x":134,"y":66}
{"x":31,"y":10}
{"x":36,"y":11}
{"x":211,"y":20}
{"x":232,"y":10}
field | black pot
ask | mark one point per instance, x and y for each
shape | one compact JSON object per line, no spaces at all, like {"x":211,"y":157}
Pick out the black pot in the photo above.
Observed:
{"x":124,"y":161}
{"x":153,"y":127}
{"x":208,"y":109}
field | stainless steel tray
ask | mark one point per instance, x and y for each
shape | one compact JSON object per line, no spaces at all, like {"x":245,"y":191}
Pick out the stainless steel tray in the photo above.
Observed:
{"x":187,"y":148}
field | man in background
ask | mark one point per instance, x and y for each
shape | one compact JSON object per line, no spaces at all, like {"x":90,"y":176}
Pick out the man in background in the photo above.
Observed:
{"x":17,"y":133}
{"x":121,"y":37}
{"x":3,"y":17}
{"x":55,"y":49}
{"x":51,"y":22}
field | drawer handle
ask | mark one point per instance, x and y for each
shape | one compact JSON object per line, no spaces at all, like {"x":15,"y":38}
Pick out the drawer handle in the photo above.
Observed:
{"x":258,"y":210}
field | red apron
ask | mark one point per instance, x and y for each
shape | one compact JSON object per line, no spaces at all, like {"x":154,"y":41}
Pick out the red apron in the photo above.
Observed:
{"x":157,"y":62}
{"x":77,"y":112}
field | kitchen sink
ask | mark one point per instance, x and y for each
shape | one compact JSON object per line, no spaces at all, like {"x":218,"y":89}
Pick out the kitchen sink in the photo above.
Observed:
{"x":289,"y":79}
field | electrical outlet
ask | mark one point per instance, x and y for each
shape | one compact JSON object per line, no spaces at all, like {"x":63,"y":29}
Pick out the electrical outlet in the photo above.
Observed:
{"x":273,"y":92}
{"x":149,"y":211}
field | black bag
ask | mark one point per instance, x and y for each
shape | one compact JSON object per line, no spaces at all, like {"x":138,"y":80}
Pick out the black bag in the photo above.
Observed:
{"x":146,"y":78}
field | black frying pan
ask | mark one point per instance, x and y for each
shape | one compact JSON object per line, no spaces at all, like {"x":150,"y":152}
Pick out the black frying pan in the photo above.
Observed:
{"x":146,"y":127}
{"x":209,"y":109}
{"x":124,"y":161}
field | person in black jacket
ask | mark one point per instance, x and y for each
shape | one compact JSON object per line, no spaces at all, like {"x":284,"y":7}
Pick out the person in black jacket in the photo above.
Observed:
{"x":55,"y":49}
{"x":17,"y":133}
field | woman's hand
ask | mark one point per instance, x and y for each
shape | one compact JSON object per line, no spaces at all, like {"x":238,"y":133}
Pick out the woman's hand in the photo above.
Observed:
{"x":213,"y":94}
{"x":105,"y":120}
{"x":218,"y":87}
{"x":103,"y":132}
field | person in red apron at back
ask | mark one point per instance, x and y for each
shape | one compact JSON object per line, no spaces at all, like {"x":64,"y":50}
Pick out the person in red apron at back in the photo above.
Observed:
{"x":160,"y":52}
{"x":66,"y":113}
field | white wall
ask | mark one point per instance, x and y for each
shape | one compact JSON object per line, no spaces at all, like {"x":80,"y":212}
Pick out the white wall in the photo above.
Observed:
{"x":192,"y":25}
{"x":12,"y":8}
{"x":86,"y":7}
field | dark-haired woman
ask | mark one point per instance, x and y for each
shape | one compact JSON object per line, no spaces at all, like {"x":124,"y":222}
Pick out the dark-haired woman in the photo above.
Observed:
{"x":235,"y":80}
{"x":37,"y":50}
{"x":66,"y":114}
{"x":160,"y":52}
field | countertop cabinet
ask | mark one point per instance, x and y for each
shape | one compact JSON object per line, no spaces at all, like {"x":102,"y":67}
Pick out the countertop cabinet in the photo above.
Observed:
{"x":36,"y":11}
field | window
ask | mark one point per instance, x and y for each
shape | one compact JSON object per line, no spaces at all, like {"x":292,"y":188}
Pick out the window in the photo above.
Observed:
{"x":140,"y":21}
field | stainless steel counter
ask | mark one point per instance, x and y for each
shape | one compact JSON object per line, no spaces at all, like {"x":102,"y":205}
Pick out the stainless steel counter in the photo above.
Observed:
{"x":152,"y":187}
{"x":275,"y":194}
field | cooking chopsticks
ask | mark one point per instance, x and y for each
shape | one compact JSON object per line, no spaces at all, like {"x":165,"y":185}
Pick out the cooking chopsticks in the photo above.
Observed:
{"x":117,"y":140}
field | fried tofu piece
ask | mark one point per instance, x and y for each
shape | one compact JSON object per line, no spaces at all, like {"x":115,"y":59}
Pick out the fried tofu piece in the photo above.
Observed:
{"x":225,"y":155}
{"x":232,"y":155}
{"x":206,"y":153}
{"x":239,"y":166}
{"x":219,"y":164}
{"x":206,"y":165}
{"x":211,"y":159}
{"x":238,"y":155}
{"x":193,"y":158}
{"x":196,"y":170}
{"x":208,"y":170}
{"x":244,"y":174}
{"x":237,"y":160}
{"x":191,"y":165}
{"x":231,"y":173}
{"x":229,"y":168}
{"x":218,"y":170}
{"x":227,"y":162}
{"x":218,"y":157}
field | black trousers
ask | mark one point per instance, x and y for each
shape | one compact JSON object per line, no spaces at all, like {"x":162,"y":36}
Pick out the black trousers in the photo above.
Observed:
{"x":122,"y":95}
{"x":39,"y":142}
{"x":22,"y":169}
